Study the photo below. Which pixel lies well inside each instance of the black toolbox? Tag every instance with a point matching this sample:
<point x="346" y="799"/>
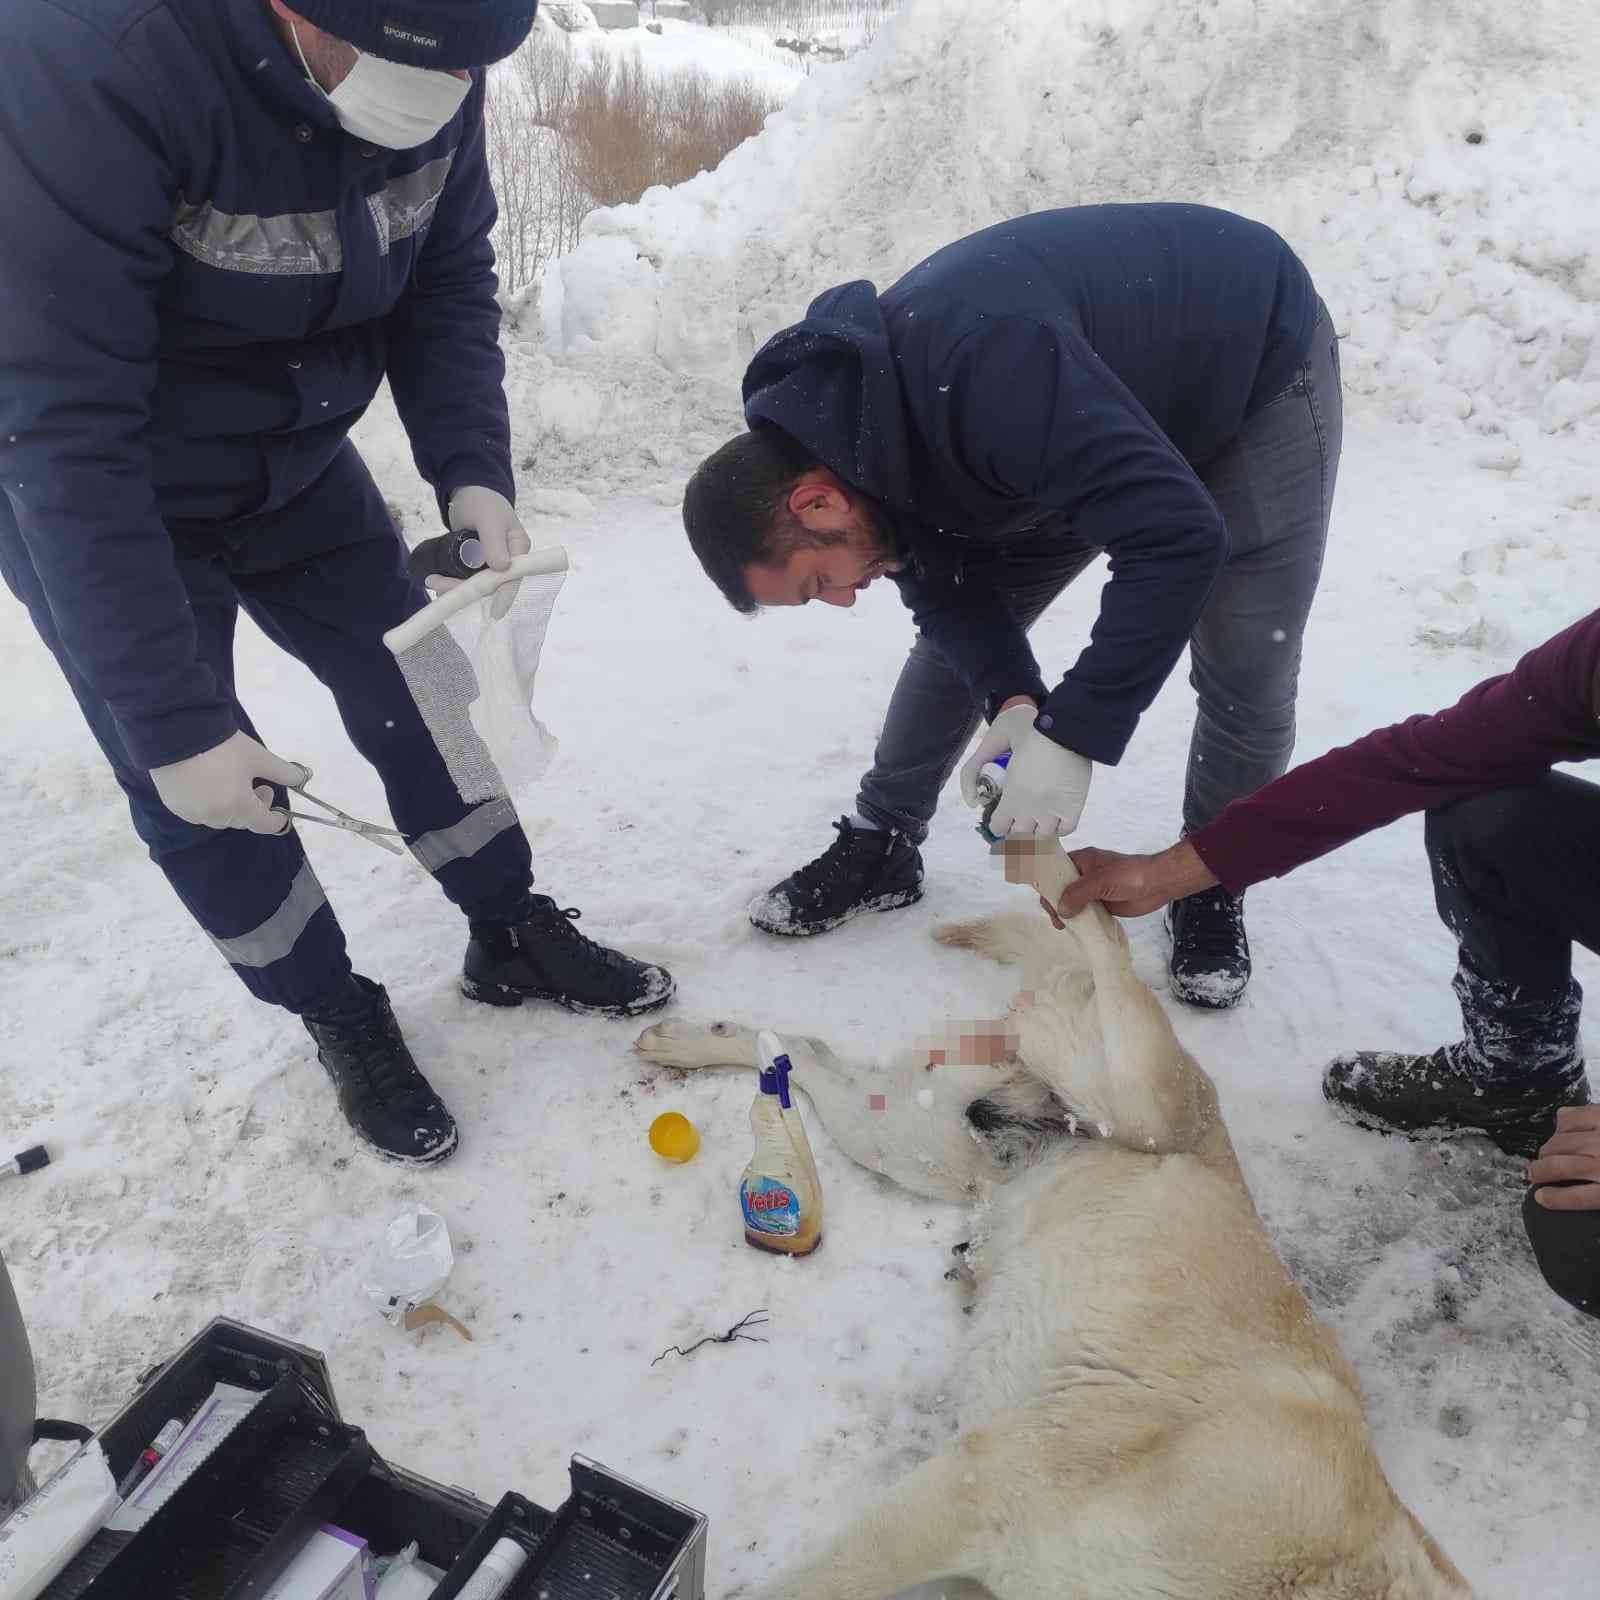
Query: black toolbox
<point x="293" y="1463"/>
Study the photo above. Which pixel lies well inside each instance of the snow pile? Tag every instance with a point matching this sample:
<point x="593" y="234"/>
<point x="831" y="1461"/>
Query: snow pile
<point x="570" y="16"/>
<point x="1433" y="161"/>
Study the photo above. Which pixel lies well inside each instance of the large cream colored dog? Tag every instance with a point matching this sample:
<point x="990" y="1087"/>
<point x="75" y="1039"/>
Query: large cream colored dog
<point x="1151" y="1410"/>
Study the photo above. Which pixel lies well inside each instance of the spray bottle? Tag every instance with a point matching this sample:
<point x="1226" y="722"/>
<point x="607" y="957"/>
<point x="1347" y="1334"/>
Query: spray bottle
<point x="780" y="1193"/>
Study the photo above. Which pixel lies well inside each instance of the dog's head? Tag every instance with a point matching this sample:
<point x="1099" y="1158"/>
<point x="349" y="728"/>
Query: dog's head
<point x="1020" y="1119"/>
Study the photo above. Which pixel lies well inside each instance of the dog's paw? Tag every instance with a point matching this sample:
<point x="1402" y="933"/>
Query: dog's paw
<point x="679" y="1042"/>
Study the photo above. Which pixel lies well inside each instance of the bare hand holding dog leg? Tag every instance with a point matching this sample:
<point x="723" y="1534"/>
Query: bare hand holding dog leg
<point x="1130" y="885"/>
<point x="1569" y="1161"/>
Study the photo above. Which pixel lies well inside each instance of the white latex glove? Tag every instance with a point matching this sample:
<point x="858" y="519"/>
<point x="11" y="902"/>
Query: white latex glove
<point x="1004" y="734"/>
<point x="227" y="786"/>
<point x="1046" y="785"/>
<point x="499" y="530"/>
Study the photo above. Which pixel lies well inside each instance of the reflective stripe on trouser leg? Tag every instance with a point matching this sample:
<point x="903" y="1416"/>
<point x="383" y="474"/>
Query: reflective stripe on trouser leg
<point x="481" y="862"/>
<point x="465" y="838"/>
<point x="271" y="941"/>
<point x="262" y="906"/>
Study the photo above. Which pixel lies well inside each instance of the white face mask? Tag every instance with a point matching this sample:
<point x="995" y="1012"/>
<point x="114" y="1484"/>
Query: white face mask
<point x="388" y="104"/>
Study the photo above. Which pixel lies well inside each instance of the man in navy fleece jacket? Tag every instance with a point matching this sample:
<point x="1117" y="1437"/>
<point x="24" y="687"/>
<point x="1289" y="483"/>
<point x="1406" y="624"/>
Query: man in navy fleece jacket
<point x="1157" y="382"/>
<point x="1515" y="852"/>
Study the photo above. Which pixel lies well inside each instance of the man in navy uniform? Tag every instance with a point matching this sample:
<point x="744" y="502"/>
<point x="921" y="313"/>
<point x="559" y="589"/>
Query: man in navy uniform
<point x="223" y="223"/>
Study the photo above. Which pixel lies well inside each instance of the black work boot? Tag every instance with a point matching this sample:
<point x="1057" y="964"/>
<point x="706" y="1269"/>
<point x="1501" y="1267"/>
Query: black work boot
<point x="1210" y="962"/>
<point x="864" y="869"/>
<point x="1518" y="1063"/>
<point x="546" y="958"/>
<point x="382" y="1094"/>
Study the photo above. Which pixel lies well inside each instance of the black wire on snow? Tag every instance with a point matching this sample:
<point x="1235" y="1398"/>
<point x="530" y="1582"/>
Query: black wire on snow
<point x="735" y="1332"/>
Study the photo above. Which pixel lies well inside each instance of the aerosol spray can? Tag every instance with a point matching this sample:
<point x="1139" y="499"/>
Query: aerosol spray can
<point x="458" y="554"/>
<point x="991" y="781"/>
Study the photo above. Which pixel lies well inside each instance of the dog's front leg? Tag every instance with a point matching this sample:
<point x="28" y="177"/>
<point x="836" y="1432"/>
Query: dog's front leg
<point x="683" y="1042"/>
<point x="930" y="1525"/>
<point x="907" y="1122"/>
<point x="836" y="1088"/>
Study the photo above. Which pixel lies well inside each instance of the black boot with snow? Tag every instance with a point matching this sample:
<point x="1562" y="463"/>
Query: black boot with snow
<point x="384" y="1097"/>
<point x="864" y="869"/>
<point x="1518" y="1062"/>
<point x="546" y="958"/>
<point x="1210" y="963"/>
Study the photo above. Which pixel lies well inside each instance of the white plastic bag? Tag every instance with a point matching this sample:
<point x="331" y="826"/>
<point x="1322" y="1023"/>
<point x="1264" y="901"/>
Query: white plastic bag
<point x="411" y="1265"/>
<point x="406" y="1576"/>
<point x="472" y="675"/>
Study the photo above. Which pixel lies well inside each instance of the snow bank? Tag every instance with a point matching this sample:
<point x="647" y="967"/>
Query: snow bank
<point x="1432" y="160"/>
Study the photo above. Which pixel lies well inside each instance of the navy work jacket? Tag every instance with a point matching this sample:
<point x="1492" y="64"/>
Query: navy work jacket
<point x="203" y="280"/>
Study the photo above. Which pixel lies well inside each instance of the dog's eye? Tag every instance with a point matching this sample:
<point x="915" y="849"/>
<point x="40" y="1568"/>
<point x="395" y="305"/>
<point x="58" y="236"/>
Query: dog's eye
<point x="719" y="1028"/>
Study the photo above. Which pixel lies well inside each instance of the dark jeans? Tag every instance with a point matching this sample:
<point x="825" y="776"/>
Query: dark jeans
<point x="1516" y="875"/>
<point x="1274" y="487"/>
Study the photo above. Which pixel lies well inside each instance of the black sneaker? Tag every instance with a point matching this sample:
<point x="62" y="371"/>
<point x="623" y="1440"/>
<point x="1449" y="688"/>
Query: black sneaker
<point x="1452" y="1092"/>
<point x="1210" y="963"/>
<point x="546" y="958"/>
<point x="384" y="1098"/>
<point x="864" y="869"/>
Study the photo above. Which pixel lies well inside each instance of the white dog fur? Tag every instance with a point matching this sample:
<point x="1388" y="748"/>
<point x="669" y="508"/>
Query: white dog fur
<point x="1151" y="1410"/>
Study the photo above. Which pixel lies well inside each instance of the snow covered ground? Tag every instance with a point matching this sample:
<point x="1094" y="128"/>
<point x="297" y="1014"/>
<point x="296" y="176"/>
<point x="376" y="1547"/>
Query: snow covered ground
<point x="1435" y="165"/>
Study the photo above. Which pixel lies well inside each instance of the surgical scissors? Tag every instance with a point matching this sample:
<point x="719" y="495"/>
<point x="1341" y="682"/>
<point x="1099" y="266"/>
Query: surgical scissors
<point x="384" y="838"/>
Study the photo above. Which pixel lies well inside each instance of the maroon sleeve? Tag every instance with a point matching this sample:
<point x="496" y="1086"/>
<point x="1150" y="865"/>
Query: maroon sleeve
<point x="1506" y="731"/>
